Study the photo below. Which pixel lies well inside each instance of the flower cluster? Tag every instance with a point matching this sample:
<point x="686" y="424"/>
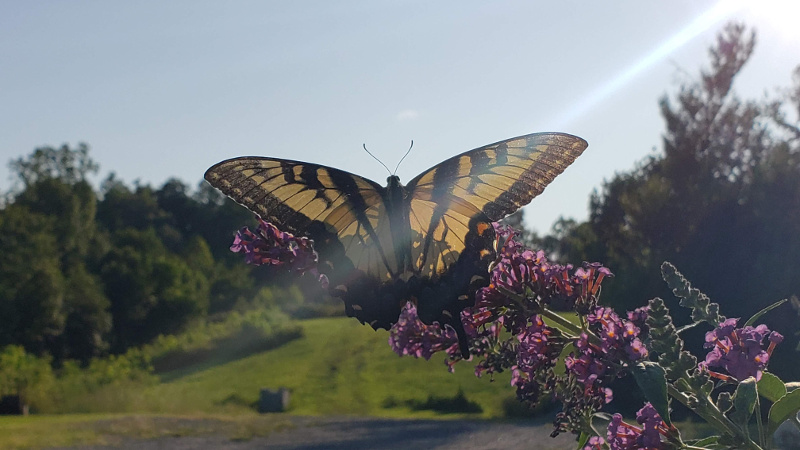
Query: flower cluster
<point x="537" y="347"/>
<point x="740" y="351"/>
<point x="622" y="436"/>
<point x="411" y="336"/>
<point x="526" y="281"/>
<point x="614" y="343"/>
<point x="603" y="352"/>
<point x="269" y="245"/>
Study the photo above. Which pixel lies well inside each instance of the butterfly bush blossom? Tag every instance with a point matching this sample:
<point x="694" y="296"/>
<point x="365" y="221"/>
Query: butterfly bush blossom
<point x="740" y="351"/>
<point x="269" y="245"/>
<point x="523" y="284"/>
<point x="622" y="436"/>
<point x="410" y="336"/>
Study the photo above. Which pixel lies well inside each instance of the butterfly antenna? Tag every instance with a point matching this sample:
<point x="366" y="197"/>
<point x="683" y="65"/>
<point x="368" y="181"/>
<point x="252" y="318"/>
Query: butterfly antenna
<point x="404" y="157"/>
<point x="376" y="159"/>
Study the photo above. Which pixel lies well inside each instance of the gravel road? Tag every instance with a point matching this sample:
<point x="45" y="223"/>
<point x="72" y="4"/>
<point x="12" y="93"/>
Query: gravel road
<point x="370" y="433"/>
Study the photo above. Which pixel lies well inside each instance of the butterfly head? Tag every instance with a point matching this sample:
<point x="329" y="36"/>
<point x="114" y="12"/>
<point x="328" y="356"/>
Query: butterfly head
<point x="393" y="182"/>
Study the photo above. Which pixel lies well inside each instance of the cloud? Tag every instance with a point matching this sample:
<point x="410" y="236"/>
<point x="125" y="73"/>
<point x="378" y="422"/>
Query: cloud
<point x="407" y="114"/>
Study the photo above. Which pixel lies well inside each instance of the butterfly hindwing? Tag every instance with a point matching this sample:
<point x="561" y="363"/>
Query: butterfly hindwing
<point x="487" y="184"/>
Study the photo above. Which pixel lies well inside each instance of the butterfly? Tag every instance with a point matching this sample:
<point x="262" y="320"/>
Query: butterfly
<point x="429" y="242"/>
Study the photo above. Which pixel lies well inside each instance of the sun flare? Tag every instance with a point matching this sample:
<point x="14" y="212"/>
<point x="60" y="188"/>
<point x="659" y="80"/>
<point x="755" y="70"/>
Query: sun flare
<point x="782" y="17"/>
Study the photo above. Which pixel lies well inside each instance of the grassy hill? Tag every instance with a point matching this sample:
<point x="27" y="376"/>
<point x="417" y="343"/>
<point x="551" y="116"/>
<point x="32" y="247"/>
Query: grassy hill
<point x="338" y="367"/>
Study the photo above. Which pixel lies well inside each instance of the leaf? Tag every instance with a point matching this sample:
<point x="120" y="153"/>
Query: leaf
<point x="705" y="442"/>
<point x="582" y="440"/>
<point x="786" y="407"/>
<point x="771" y="387"/>
<point x="744" y="400"/>
<point x="652" y="380"/>
<point x="767" y="309"/>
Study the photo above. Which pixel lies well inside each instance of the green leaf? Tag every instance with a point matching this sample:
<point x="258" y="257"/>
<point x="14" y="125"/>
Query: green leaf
<point x="786" y="407"/>
<point x="771" y="387"/>
<point x="652" y="380"/>
<point x="724" y="401"/>
<point x="582" y="440"/>
<point x="705" y="442"/>
<point x="767" y="309"/>
<point x="744" y="400"/>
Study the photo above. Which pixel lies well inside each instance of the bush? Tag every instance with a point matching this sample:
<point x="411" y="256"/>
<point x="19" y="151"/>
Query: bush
<point x="26" y="376"/>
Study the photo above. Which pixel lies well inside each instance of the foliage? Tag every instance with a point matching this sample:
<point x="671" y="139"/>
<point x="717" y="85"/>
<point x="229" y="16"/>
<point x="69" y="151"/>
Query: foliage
<point x="25" y="375"/>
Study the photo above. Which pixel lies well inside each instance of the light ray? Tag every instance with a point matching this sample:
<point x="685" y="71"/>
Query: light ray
<point x="720" y="11"/>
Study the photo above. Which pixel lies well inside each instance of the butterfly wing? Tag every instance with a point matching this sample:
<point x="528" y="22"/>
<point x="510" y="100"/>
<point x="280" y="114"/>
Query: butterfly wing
<point x="341" y="211"/>
<point x="464" y="193"/>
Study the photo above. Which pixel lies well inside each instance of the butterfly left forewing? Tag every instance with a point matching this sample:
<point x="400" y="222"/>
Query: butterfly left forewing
<point x="315" y="200"/>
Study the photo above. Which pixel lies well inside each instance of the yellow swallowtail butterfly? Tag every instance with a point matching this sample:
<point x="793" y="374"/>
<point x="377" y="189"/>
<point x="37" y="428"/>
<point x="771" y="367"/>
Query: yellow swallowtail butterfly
<point x="429" y="241"/>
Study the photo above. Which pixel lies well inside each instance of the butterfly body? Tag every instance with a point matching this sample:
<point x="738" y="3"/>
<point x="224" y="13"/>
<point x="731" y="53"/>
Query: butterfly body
<point x="397" y="210"/>
<point x="429" y="242"/>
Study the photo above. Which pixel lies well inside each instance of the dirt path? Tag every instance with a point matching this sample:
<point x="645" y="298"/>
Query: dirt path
<point x="366" y="433"/>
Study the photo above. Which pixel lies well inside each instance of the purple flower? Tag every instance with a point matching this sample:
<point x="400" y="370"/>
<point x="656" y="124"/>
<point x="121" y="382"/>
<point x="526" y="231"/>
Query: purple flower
<point x="652" y="427"/>
<point x="522" y="281"/>
<point x="639" y="317"/>
<point x="622" y="436"/>
<point x="587" y="370"/>
<point x="740" y="351"/>
<point x="537" y="351"/>
<point x="410" y="336"/>
<point x="269" y="245"/>
<point x="594" y="443"/>
<point x="619" y="338"/>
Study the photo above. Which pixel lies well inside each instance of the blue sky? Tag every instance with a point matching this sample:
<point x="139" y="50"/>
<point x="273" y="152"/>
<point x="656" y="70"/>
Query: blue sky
<point x="166" y="89"/>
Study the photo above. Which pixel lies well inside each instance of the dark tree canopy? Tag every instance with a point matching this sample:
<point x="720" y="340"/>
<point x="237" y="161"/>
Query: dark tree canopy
<point x="721" y="202"/>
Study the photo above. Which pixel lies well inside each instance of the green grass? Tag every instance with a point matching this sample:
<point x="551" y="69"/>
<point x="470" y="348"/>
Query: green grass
<point x="338" y="367"/>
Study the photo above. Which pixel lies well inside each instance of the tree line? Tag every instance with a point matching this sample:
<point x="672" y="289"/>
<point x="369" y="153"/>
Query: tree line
<point x="86" y="272"/>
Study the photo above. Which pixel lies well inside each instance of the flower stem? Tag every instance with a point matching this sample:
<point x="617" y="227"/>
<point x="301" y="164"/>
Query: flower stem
<point x="563" y="323"/>
<point x="762" y="436"/>
<point x="712" y="415"/>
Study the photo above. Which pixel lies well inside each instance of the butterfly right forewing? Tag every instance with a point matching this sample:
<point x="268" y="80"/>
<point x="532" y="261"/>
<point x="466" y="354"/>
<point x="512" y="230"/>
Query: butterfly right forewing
<point x="482" y="186"/>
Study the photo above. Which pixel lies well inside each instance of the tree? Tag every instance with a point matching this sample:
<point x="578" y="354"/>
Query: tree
<point x="51" y="236"/>
<point x="151" y="291"/>
<point x="65" y="164"/>
<point x="31" y="283"/>
<point x="721" y="202"/>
